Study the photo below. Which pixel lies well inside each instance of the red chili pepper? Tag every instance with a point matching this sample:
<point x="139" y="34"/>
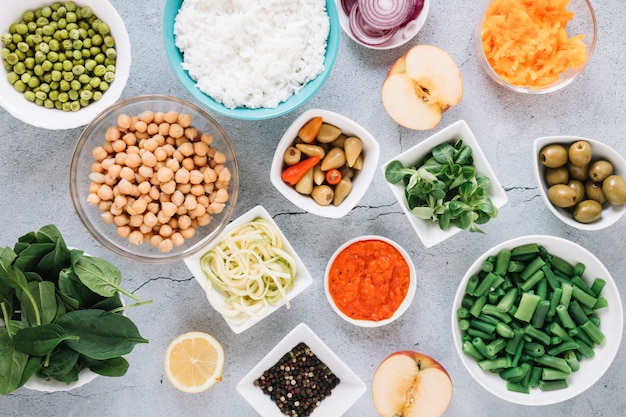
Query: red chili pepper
<point x="333" y="176"/>
<point x="294" y="173"/>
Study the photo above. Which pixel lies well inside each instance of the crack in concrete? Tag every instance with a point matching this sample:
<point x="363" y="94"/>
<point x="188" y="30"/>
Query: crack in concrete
<point x="162" y="278"/>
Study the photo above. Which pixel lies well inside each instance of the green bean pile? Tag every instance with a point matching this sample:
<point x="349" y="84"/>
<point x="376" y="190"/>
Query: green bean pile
<point x="529" y="316"/>
<point x="60" y="56"/>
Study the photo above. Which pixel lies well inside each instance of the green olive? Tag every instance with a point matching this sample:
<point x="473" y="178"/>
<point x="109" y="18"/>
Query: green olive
<point x="578" y="172"/>
<point x="580" y="153"/>
<point x="593" y="190"/>
<point x="553" y="156"/>
<point x="558" y="175"/>
<point x="599" y="170"/>
<point x="561" y="195"/>
<point x="587" y="211"/>
<point x="614" y="188"/>
<point x="579" y="187"/>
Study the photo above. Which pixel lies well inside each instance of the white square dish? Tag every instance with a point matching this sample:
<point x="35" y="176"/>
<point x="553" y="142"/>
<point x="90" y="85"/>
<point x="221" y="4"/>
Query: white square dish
<point x="343" y="396"/>
<point x="429" y="232"/>
<point x="302" y="281"/>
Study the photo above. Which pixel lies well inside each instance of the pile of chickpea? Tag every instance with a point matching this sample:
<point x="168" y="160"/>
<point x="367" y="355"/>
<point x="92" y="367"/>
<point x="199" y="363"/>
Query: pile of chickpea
<point x="157" y="178"/>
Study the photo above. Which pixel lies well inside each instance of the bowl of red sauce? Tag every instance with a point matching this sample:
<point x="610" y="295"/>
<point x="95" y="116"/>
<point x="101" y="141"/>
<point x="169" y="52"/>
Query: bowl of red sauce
<point x="370" y="281"/>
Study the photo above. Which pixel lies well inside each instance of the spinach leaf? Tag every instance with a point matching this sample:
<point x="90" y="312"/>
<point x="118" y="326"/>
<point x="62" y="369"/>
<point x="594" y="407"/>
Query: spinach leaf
<point x="61" y="362"/>
<point x="15" y="278"/>
<point x="100" y="276"/>
<point x="53" y="262"/>
<point x="108" y="367"/>
<point x="41" y="340"/>
<point x="74" y="293"/>
<point x="108" y="304"/>
<point x="29" y="258"/>
<point x="32" y="366"/>
<point x="12" y="363"/>
<point x="101" y="335"/>
<point x="44" y="294"/>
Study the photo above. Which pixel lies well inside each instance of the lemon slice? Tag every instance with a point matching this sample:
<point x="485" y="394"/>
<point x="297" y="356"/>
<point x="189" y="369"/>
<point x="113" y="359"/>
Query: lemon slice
<point x="194" y="362"/>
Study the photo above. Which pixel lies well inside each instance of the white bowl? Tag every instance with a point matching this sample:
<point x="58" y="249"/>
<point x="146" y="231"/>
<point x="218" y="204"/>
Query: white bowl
<point x="591" y="370"/>
<point x="302" y="281"/>
<point x="430" y="233"/>
<point x="401" y="37"/>
<point x="344" y="395"/>
<point x="610" y="213"/>
<point x="361" y="181"/>
<point x="53" y="119"/>
<point x="407" y="299"/>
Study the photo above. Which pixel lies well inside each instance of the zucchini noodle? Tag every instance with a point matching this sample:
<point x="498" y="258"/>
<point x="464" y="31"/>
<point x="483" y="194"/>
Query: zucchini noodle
<point x="251" y="269"/>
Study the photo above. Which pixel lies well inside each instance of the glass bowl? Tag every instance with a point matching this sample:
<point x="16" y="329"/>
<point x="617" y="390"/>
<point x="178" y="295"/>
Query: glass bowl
<point x="53" y="119"/>
<point x="175" y="58"/>
<point x="107" y="234"/>
<point x="583" y="23"/>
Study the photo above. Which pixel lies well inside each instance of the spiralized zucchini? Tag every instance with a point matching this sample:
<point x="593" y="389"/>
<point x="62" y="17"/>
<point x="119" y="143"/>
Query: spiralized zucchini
<point x="251" y="268"/>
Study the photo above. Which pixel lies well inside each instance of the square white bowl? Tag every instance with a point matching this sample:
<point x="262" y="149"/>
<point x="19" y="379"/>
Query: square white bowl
<point x="343" y="396"/>
<point x="610" y="213"/>
<point x="54" y="119"/>
<point x="429" y="232"/>
<point x="302" y="281"/>
<point x="361" y="181"/>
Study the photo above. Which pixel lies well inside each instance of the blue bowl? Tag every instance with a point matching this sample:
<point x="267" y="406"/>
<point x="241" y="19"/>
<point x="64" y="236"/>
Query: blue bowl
<point x="175" y="58"/>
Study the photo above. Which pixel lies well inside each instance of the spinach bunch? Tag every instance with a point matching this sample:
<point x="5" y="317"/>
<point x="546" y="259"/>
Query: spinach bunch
<point x="446" y="188"/>
<point x="60" y="313"/>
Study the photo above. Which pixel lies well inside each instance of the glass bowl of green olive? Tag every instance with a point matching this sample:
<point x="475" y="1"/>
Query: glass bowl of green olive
<point x="582" y="181"/>
<point x="63" y="62"/>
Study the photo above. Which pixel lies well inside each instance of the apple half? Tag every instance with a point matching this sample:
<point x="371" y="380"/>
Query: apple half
<point x="411" y="384"/>
<point x="420" y="86"/>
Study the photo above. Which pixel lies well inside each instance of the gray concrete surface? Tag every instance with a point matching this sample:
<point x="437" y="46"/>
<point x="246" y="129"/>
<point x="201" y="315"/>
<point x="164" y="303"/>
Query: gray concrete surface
<point x="34" y="192"/>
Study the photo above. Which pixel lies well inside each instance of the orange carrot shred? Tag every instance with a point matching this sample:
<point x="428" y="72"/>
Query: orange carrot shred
<point x="526" y="41"/>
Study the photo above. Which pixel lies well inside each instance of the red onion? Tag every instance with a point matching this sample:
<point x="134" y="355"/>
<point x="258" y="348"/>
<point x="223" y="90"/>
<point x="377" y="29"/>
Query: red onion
<point x="374" y="22"/>
<point x="385" y="14"/>
<point x="347" y="5"/>
<point x="366" y="33"/>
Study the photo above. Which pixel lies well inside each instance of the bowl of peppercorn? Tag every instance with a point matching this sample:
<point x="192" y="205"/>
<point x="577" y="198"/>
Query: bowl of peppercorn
<point x="301" y="376"/>
<point x="63" y="62"/>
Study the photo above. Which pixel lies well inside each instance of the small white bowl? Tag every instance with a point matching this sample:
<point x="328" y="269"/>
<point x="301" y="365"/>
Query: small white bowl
<point x="610" y="213"/>
<point x="344" y="395"/>
<point x="407" y="299"/>
<point x="429" y="232"/>
<point x="401" y="37"/>
<point x="302" y="281"/>
<point x="54" y="119"/>
<point x="361" y="181"/>
<point x="591" y="370"/>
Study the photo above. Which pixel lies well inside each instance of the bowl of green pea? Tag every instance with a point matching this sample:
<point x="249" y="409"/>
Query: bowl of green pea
<point x="537" y="320"/>
<point x="62" y="62"/>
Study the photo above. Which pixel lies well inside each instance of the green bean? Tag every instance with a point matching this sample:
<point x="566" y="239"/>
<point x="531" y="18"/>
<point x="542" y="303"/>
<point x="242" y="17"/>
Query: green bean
<point x="583" y="298"/>
<point x="566" y="294"/>
<point x="572" y="360"/>
<point x="492" y="310"/>
<point x="512" y="373"/>
<point x="555" y="299"/>
<point x="514" y="342"/>
<point x="482" y="326"/>
<point x="553" y="362"/>
<point x="526" y="307"/>
<point x="507" y="300"/>
<point x="597" y="286"/>
<point x="464" y="324"/>
<point x="485" y="285"/>
<point x="515" y="387"/>
<point x="502" y="262"/>
<point x="462" y="313"/>
<point x="576" y="313"/>
<point x="504" y="330"/>
<point x="493" y="364"/>
<point x="562" y="266"/>
<point x="532" y="280"/>
<point x="532" y="267"/>
<point x="566" y="319"/>
<point x="479" y="302"/>
<point x="530" y="248"/>
<point x="480" y="345"/>
<point x="593" y="332"/>
<point x="535" y="375"/>
<point x="551" y="374"/>
<point x="541" y="313"/>
<point x="496" y="346"/>
<point x="471" y="350"/>
<point x="537" y="334"/>
<point x="563" y="347"/>
<point x="534" y="349"/>
<point x="516" y="266"/>
<point x="601" y="302"/>
<point x="553" y="385"/>
<point x="585" y="348"/>
<point x="480" y="334"/>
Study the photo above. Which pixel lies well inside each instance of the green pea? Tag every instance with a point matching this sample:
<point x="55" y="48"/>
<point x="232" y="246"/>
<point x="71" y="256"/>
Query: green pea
<point x="40" y="57"/>
<point x="48" y="104"/>
<point x="75" y="85"/>
<point x="29" y="95"/>
<point x="86" y="95"/>
<point x="33" y="82"/>
<point x="75" y="106"/>
<point x="74" y="34"/>
<point x="21" y="28"/>
<point x="67" y="65"/>
<point x="38" y="101"/>
<point x="38" y="70"/>
<point x="25" y="78"/>
<point x="68" y="76"/>
<point x="64" y="86"/>
<point x="95" y="82"/>
<point x="104" y="86"/>
<point x="23" y="46"/>
<point x="84" y="78"/>
<point x="29" y="62"/>
<point x="109" y="41"/>
<point x="48" y="30"/>
<point x="77" y="54"/>
<point x="111" y="53"/>
<point x="17" y="38"/>
<point x="45" y="87"/>
<point x="42" y="21"/>
<point x="19" y="68"/>
<point x="109" y="77"/>
<point x="61" y="11"/>
<point x="41" y="95"/>
<point x="44" y="48"/>
<point x="66" y="106"/>
<point x="97" y="40"/>
<point x="97" y="95"/>
<point x="46" y="78"/>
<point x="53" y="95"/>
<point x="63" y="97"/>
<point x="19" y="86"/>
<point x="28" y="16"/>
<point x="70" y="6"/>
<point x="83" y="102"/>
<point x="54" y="85"/>
<point x="12" y="77"/>
<point x="73" y="95"/>
<point x="12" y="58"/>
<point x="56" y="75"/>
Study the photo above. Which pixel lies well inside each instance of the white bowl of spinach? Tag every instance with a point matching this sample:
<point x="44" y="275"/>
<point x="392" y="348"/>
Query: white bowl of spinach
<point x="445" y="184"/>
<point x="61" y="315"/>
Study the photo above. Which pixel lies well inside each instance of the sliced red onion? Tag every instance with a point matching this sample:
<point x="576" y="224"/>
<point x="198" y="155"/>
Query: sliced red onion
<point x="365" y="32"/>
<point x="347" y="5"/>
<point x="417" y="5"/>
<point x="385" y="14"/>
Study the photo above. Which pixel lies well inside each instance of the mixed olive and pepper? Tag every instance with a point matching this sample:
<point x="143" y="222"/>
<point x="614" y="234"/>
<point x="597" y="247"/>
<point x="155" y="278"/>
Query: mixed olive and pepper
<point x="580" y="182"/>
<point x="322" y="162"/>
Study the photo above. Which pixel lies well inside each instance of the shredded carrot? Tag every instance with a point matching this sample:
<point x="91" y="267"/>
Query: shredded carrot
<point x="526" y="41"/>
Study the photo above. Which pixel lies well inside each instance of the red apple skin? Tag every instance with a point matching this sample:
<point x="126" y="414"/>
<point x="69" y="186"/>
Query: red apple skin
<point x="411" y="384"/>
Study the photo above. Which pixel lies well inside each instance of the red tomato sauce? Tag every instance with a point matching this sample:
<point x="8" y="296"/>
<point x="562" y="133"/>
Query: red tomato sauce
<point x="368" y="280"/>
